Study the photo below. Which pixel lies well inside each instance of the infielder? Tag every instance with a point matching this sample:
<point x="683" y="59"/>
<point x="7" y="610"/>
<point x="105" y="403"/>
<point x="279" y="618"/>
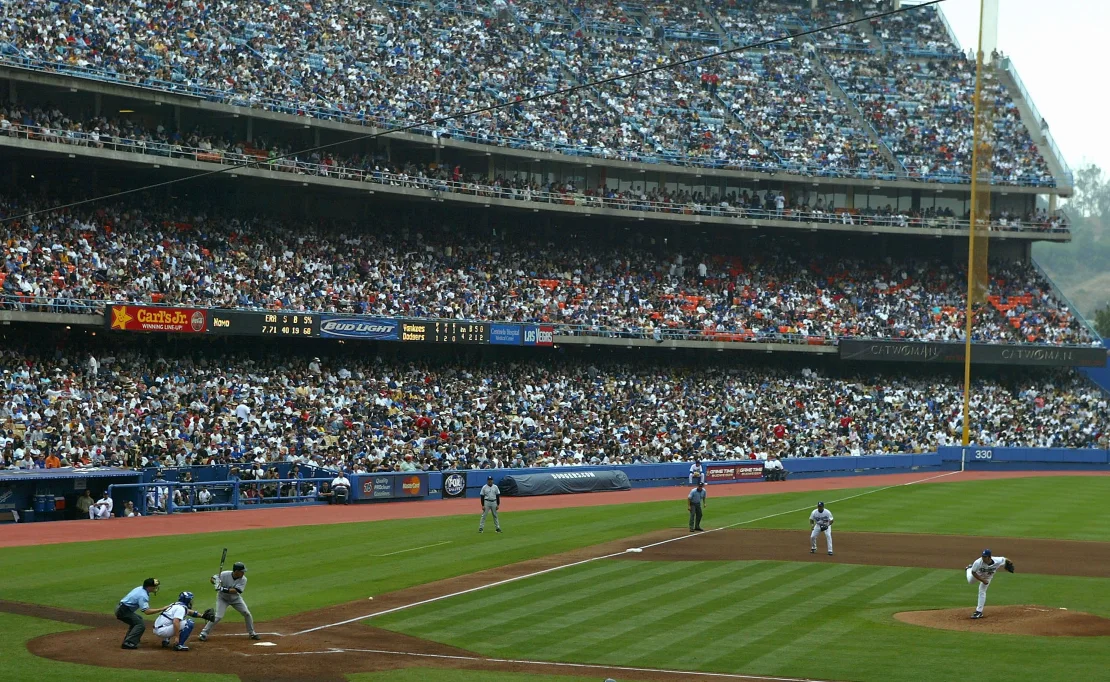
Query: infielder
<point x="133" y="607"/>
<point x="491" y="501"/>
<point x="820" y="521"/>
<point x="695" y="502"/>
<point x="983" y="570"/>
<point x="174" y="623"/>
<point x="229" y="592"/>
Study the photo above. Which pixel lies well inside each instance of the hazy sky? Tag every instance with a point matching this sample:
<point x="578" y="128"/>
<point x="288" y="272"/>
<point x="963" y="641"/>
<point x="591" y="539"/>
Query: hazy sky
<point x="1059" y="48"/>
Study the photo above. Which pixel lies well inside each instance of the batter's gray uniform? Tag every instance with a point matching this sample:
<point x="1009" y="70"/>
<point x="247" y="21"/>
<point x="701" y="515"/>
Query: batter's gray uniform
<point x="224" y="599"/>
<point x="491" y="499"/>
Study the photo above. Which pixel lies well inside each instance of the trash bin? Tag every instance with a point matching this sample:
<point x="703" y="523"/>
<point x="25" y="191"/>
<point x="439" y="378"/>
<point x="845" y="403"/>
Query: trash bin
<point x="59" y="503"/>
<point x="27" y="516"/>
<point x="39" y="503"/>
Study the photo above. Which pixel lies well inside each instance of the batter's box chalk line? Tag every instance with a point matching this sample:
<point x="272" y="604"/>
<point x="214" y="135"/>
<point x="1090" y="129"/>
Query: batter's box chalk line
<point x="605" y="556"/>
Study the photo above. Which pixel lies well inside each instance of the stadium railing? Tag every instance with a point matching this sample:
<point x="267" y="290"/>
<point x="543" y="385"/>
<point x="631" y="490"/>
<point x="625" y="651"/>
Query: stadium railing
<point x="11" y="56"/>
<point x="1008" y="65"/>
<point x="361" y="174"/>
<point x="658" y="334"/>
<point x="158" y="497"/>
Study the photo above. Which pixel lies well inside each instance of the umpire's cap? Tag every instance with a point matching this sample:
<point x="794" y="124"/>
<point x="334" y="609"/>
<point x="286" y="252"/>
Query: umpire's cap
<point x="239" y="566"/>
<point x="151" y="582"/>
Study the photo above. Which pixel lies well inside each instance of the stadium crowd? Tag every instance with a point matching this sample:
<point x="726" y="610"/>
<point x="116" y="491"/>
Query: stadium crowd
<point x="180" y="407"/>
<point x="174" y="255"/>
<point x="50" y="124"/>
<point x="402" y="63"/>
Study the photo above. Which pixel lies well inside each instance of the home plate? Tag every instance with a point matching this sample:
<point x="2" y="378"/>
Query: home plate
<point x="264" y="644"/>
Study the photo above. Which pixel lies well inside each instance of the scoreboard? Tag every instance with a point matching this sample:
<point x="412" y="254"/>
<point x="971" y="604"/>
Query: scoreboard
<point x="445" y="332"/>
<point x="263" y="323"/>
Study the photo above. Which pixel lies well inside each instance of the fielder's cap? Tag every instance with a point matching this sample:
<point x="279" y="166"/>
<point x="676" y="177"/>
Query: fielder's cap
<point x="986" y="552"/>
<point x="239" y="566"/>
<point x="820" y="504"/>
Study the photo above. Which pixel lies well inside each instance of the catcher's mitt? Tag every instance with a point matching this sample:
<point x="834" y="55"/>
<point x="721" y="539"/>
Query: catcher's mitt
<point x="209" y="614"/>
<point x="1009" y="566"/>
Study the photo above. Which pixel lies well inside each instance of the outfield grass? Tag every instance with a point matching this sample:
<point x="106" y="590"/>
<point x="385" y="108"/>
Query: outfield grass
<point x="830" y="621"/>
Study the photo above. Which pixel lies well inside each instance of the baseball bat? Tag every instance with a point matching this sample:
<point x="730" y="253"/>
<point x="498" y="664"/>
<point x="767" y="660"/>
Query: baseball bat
<point x="223" y="558"/>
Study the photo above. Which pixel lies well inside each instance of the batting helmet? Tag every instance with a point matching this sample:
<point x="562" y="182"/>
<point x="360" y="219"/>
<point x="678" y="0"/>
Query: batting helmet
<point x="239" y="566"/>
<point x="185" y="598"/>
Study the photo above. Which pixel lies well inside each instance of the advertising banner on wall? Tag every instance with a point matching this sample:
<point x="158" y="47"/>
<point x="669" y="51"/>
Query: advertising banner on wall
<point x="505" y="334"/>
<point x="454" y="484"/>
<point x="142" y="318"/>
<point x="715" y="473"/>
<point x="981" y="353"/>
<point x="525" y="485"/>
<point x="363" y="328"/>
<point x="539" y="335"/>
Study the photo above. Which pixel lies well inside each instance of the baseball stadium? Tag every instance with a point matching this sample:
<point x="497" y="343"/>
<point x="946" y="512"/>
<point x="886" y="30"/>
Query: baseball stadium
<point x="545" y="341"/>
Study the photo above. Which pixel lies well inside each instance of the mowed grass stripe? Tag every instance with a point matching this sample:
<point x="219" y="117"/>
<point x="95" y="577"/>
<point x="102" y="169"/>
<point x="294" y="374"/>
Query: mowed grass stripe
<point x="576" y="605"/>
<point x="770" y="626"/>
<point x="925" y="581"/>
<point x="582" y="627"/>
<point x="603" y="631"/>
<point x="722" y="616"/>
<point x="559" y="603"/>
<point x="496" y="599"/>
<point x="822" y="627"/>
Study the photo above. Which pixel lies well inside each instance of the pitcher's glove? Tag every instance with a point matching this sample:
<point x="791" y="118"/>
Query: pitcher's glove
<point x="1009" y="566"/>
<point x="209" y="615"/>
<point x="824" y="528"/>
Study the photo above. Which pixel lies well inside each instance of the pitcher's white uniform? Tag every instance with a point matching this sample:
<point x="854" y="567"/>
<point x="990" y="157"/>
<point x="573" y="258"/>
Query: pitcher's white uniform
<point x="986" y="572"/>
<point x="820" y="517"/>
<point x="102" y="508"/>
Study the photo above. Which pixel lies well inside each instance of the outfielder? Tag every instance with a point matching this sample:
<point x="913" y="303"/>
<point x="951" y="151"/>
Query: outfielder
<point x="983" y="570"/>
<point x="229" y="592"/>
<point x="820" y="521"/>
<point x="491" y="500"/>
<point x="174" y="623"/>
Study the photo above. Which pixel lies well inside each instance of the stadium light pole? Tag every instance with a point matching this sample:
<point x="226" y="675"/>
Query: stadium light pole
<point x="978" y="238"/>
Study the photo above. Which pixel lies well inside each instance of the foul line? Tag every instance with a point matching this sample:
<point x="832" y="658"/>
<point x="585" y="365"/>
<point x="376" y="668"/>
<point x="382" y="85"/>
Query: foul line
<point x="506" y="581"/>
<point x="413" y="549"/>
<point x="550" y="664"/>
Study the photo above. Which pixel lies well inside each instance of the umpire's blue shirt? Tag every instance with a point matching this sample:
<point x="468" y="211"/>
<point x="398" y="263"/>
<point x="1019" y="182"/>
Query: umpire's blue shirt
<point x="696" y="496"/>
<point x="137" y="599"/>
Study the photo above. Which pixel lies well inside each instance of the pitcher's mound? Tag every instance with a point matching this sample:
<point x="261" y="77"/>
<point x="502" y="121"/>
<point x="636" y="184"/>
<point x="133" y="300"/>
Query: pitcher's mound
<point x="1042" y="621"/>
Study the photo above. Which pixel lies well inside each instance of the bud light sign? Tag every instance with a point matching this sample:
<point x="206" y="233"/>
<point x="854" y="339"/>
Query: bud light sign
<point x="368" y="328"/>
<point x="539" y="335"/>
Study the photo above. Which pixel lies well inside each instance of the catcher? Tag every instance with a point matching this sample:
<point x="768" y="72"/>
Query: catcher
<point x="820" y="521"/>
<point x="174" y="622"/>
<point x="983" y="570"/>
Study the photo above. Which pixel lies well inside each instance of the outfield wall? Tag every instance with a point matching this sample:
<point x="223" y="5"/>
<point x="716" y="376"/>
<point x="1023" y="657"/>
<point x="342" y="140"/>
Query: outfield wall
<point x="19" y="489"/>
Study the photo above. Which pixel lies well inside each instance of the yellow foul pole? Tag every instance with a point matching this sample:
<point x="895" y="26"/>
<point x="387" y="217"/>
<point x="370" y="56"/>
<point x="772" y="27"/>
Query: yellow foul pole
<point x="981" y="171"/>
